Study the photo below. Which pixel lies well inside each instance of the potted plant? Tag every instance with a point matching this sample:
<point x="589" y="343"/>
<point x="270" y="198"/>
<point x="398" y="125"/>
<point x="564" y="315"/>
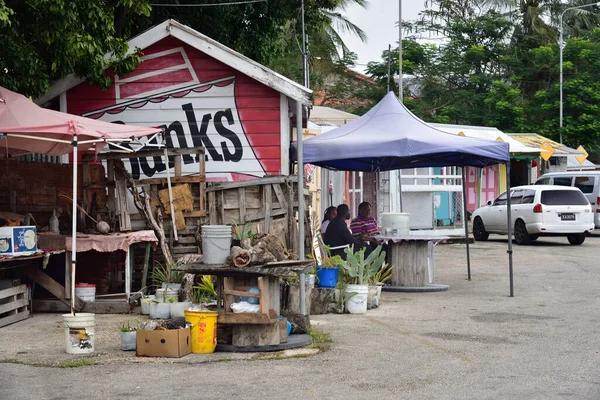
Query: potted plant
<point x="167" y="280"/>
<point x="239" y="233"/>
<point x="177" y="308"/>
<point x="328" y="270"/>
<point x="128" y="337"/>
<point x="376" y="282"/>
<point x="357" y="270"/>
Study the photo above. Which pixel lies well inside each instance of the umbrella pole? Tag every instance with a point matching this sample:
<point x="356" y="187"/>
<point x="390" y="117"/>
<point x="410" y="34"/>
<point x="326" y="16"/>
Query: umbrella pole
<point x="300" y="204"/>
<point x="509" y="230"/>
<point x="74" y="224"/>
<point x="466" y="222"/>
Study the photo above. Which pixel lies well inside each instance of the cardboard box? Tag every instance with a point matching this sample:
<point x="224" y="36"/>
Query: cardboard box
<point x="163" y="343"/>
<point x="18" y="240"/>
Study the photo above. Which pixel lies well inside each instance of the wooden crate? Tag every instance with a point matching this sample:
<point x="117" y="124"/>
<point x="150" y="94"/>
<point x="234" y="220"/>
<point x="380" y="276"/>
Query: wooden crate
<point x="13" y="305"/>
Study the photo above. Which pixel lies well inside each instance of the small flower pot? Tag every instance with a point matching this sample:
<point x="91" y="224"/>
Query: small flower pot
<point x="327" y="276"/>
<point x="128" y="341"/>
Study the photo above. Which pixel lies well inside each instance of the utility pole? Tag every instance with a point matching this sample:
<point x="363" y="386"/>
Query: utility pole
<point x="400" y="89"/>
<point x="300" y="162"/>
<point x="389" y="66"/>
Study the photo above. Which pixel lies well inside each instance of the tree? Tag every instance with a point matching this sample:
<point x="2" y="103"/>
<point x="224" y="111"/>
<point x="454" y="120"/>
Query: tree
<point x="44" y="40"/>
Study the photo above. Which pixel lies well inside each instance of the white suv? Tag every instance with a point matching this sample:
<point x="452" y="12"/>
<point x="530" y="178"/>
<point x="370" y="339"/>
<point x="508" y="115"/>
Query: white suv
<point x="537" y="210"/>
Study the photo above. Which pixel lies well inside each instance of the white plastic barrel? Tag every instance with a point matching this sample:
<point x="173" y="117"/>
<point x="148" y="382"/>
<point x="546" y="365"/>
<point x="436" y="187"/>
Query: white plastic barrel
<point x="85" y="291"/>
<point x="79" y="332"/>
<point x="395" y="224"/>
<point x="216" y="243"/>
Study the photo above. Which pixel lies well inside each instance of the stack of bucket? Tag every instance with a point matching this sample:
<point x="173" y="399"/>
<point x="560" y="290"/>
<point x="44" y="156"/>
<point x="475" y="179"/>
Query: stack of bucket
<point x="85" y="291"/>
<point x="216" y="243"/>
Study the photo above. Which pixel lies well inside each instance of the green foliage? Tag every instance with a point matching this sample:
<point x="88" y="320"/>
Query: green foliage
<point x="242" y="232"/>
<point x="166" y="274"/>
<point x="329" y="262"/>
<point x="127" y="328"/>
<point x="207" y="286"/>
<point x="360" y="270"/>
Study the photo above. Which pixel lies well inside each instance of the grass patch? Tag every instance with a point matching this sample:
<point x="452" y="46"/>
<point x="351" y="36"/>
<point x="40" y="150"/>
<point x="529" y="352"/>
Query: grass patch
<point x="76" y="364"/>
<point x="64" y="364"/>
<point x="321" y="340"/>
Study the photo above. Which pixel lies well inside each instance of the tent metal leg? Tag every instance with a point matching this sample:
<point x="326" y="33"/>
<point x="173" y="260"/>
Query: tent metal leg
<point x="466" y="222"/>
<point x="509" y="230"/>
<point x="300" y="204"/>
<point x="74" y="223"/>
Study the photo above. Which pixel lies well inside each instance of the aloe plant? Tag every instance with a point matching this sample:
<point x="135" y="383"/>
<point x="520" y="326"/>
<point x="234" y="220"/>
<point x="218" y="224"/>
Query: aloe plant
<point x="358" y="269"/>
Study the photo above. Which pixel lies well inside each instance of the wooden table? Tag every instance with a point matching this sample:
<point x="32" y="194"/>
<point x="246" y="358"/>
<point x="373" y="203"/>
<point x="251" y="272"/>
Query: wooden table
<point x="251" y="329"/>
<point x="412" y="258"/>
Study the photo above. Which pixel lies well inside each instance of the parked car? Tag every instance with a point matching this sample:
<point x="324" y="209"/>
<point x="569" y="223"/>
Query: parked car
<point x="537" y="210"/>
<point x="586" y="181"/>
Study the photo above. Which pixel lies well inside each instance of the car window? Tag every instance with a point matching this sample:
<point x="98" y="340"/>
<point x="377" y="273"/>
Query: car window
<point x="543" y="181"/>
<point x="517" y="196"/>
<point x="528" y="196"/>
<point x="585" y="183"/>
<point x="563" y="198"/>
<point x="562" y="180"/>
<point x="500" y="200"/>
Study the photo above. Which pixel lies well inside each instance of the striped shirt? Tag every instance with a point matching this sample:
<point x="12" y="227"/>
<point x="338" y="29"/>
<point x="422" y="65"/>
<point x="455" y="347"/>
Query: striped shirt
<point x="366" y="226"/>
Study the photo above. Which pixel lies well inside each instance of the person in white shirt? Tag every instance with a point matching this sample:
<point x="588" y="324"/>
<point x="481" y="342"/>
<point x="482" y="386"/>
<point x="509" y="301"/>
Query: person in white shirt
<point x="330" y="214"/>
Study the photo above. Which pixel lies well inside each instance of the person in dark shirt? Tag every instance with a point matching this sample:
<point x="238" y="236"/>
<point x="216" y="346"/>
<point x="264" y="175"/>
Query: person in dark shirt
<point x="338" y="234"/>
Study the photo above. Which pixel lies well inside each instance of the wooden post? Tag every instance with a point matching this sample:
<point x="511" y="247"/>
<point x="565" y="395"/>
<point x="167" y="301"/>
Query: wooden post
<point x="268" y="200"/>
<point x="212" y="208"/>
<point x="110" y="174"/>
<point x="177" y="163"/>
<point x="146" y="262"/>
<point x="128" y="273"/>
<point x="67" y="274"/>
<point x="242" y="200"/>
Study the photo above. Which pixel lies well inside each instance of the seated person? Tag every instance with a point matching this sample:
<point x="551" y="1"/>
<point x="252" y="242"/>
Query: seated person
<point x="330" y="214"/>
<point x="364" y="226"/>
<point x="337" y="234"/>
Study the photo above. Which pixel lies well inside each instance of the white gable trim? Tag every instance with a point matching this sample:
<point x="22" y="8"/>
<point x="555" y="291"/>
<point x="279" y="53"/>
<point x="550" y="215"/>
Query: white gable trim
<point x="208" y="46"/>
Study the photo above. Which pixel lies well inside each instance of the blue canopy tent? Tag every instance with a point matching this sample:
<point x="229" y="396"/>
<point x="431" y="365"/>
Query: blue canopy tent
<point x="390" y="137"/>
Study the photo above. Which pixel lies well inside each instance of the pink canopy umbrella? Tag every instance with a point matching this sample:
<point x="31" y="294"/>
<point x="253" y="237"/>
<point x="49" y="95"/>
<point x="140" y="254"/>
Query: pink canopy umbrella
<point x="27" y="128"/>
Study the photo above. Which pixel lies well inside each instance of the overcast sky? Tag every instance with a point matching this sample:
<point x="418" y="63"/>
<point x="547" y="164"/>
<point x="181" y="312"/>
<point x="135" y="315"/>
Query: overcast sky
<point x="379" y="23"/>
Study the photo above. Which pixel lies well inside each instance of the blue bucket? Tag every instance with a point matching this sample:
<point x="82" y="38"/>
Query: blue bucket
<point x="327" y="276"/>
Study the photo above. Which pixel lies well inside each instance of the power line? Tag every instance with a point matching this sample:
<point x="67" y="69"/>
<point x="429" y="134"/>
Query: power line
<point x="231" y="3"/>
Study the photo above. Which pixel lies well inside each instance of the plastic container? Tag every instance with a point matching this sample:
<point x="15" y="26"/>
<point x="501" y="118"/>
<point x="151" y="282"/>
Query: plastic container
<point x="128" y="341"/>
<point x="145" y="303"/>
<point x="373" y="298"/>
<point x="309" y="279"/>
<point x="85" y="291"/>
<point x="216" y="243"/>
<point x="79" y="333"/>
<point x="159" y="310"/>
<point x="357" y="303"/>
<point x="177" y="310"/>
<point x="204" y="330"/>
<point x="163" y="295"/>
<point x="327" y="277"/>
<point x="395" y="224"/>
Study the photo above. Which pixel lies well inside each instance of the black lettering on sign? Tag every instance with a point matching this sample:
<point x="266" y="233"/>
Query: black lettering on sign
<point x="200" y="138"/>
<point x="181" y="141"/>
<point x="228" y="134"/>
<point x="159" y="166"/>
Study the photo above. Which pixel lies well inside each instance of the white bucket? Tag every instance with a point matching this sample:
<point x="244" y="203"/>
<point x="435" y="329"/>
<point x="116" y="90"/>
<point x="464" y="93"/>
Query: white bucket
<point x="79" y="332"/>
<point x="357" y="304"/>
<point x="128" y="341"/>
<point x="216" y="243"/>
<point x="145" y="303"/>
<point x="159" y="310"/>
<point x="85" y="291"/>
<point x="395" y="224"/>
<point x="163" y="295"/>
<point x="374" y="294"/>
<point x="178" y="309"/>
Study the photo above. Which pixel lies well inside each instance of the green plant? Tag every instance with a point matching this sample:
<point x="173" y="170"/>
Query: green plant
<point x="384" y="274"/>
<point x="207" y="285"/>
<point x="171" y="300"/>
<point x="330" y="262"/>
<point x="127" y="328"/>
<point x="166" y="274"/>
<point x="242" y="232"/>
<point x="357" y="269"/>
<point x="200" y="296"/>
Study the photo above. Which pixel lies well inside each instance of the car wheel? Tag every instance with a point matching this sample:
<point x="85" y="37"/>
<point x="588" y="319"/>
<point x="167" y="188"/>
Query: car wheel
<point x="479" y="232"/>
<point x="576" y="239"/>
<point x="521" y="234"/>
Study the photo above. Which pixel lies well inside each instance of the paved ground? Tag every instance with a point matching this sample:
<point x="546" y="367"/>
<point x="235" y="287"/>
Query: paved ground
<point x="472" y="342"/>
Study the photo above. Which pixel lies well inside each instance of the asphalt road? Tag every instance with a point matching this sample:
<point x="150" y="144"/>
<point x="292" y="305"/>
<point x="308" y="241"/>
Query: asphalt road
<point x="471" y="342"/>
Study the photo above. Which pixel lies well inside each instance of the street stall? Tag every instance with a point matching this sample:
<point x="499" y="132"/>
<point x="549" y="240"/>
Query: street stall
<point x="28" y="128"/>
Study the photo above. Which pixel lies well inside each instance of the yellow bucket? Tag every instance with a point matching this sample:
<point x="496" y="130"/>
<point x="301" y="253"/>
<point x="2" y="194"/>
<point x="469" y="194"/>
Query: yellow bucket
<point x="204" y="330"/>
